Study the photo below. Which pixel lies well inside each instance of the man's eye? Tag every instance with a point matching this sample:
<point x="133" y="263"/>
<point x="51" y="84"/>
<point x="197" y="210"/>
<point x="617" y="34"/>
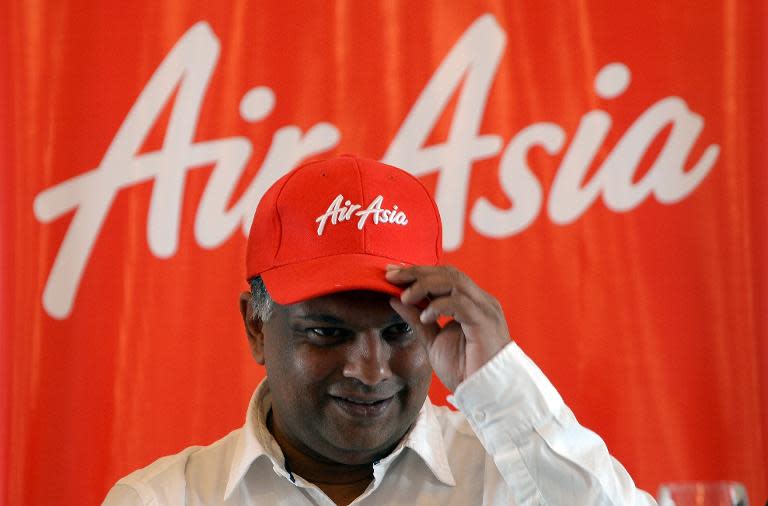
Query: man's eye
<point x="326" y="332"/>
<point x="398" y="331"/>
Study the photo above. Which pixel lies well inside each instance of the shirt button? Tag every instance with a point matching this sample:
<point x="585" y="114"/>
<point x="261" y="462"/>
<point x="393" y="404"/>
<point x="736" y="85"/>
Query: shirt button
<point x="480" y="416"/>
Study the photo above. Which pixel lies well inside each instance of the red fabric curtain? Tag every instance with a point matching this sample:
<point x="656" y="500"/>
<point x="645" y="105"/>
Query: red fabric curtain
<point x="600" y="168"/>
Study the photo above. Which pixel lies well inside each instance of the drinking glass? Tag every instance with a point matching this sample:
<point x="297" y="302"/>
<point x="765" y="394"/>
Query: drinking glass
<point x="703" y="493"/>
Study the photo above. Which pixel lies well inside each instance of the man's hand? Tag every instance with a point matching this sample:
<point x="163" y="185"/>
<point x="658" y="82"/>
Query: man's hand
<point x="476" y="332"/>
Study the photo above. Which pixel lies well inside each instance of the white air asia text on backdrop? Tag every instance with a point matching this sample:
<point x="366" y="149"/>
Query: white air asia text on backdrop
<point x="468" y="69"/>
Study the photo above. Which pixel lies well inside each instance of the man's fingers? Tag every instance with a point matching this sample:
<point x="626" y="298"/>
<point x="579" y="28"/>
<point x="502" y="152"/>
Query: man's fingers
<point x="441" y="291"/>
<point x="476" y="318"/>
<point x="399" y="274"/>
<point x="425" y="282"/>
<point x="407" y="312"/>
<point x="425" y="289"/>
<point x="402" y="274"/>
<point x="410" y="314"/>
<point x="456" y="307"/>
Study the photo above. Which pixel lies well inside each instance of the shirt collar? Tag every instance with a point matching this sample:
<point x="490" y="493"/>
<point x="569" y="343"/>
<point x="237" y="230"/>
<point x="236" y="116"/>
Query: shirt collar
<point x="426" y="440"/>
<point x="254" y="441"/>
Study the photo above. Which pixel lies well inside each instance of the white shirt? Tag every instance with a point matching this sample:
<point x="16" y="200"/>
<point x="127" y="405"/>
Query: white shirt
<point x="514" y="442"/>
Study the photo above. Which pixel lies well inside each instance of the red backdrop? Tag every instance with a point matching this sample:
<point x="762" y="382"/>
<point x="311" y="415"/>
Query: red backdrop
<point x="599" y="166"/>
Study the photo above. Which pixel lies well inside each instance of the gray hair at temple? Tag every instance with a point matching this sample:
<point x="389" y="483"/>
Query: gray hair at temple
<point x="261" y="302"/>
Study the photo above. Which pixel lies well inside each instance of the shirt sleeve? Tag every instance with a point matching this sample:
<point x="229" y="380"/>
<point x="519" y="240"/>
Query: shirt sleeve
<point x="540" y="450"/>
<point x="123" y="495"/>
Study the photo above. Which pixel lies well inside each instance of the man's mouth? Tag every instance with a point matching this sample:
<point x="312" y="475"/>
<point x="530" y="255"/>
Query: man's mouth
<point x="361" y="406"/>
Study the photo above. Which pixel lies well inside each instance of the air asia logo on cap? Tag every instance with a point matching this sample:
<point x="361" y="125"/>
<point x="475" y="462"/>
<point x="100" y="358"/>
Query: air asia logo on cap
<point x="338" y="213"/>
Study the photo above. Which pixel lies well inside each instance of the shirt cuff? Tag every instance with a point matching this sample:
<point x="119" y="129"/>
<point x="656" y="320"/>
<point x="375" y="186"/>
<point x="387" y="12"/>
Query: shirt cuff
<point x="507" y="398"/>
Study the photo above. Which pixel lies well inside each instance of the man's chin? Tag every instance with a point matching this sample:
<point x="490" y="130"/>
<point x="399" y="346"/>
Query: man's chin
<point x="360" y="440"/>
<point x="360" y="449"/>
<point x="362" y="455"/>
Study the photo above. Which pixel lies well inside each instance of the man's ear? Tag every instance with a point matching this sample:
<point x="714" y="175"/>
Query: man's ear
<point x="253" y="328"/>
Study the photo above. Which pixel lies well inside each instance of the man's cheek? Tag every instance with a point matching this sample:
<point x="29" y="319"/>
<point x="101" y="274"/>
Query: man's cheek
<point x="413" y="363"/>
<point x="313" y="366"/>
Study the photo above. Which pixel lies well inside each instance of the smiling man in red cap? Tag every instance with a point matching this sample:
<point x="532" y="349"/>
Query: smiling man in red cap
<point x="346" y="293"/>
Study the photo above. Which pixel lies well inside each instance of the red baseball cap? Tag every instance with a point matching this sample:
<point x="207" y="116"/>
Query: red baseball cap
<point x="333" y="225"/>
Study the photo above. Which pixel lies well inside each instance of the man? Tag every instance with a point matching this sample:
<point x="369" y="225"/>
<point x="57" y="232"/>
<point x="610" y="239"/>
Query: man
<point x="350" y="312"/>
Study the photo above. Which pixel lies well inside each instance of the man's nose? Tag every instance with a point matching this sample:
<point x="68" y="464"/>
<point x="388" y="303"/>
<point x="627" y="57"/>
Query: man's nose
<point x="368" y="359"/>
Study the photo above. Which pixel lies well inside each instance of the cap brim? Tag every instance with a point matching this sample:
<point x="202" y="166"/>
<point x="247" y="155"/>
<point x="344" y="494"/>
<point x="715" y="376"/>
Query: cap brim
<point x="289" y="284"/>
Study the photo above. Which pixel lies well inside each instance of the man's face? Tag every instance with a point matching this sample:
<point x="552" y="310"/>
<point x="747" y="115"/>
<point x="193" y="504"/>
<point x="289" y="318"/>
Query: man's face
<point x="347" y="375"/>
